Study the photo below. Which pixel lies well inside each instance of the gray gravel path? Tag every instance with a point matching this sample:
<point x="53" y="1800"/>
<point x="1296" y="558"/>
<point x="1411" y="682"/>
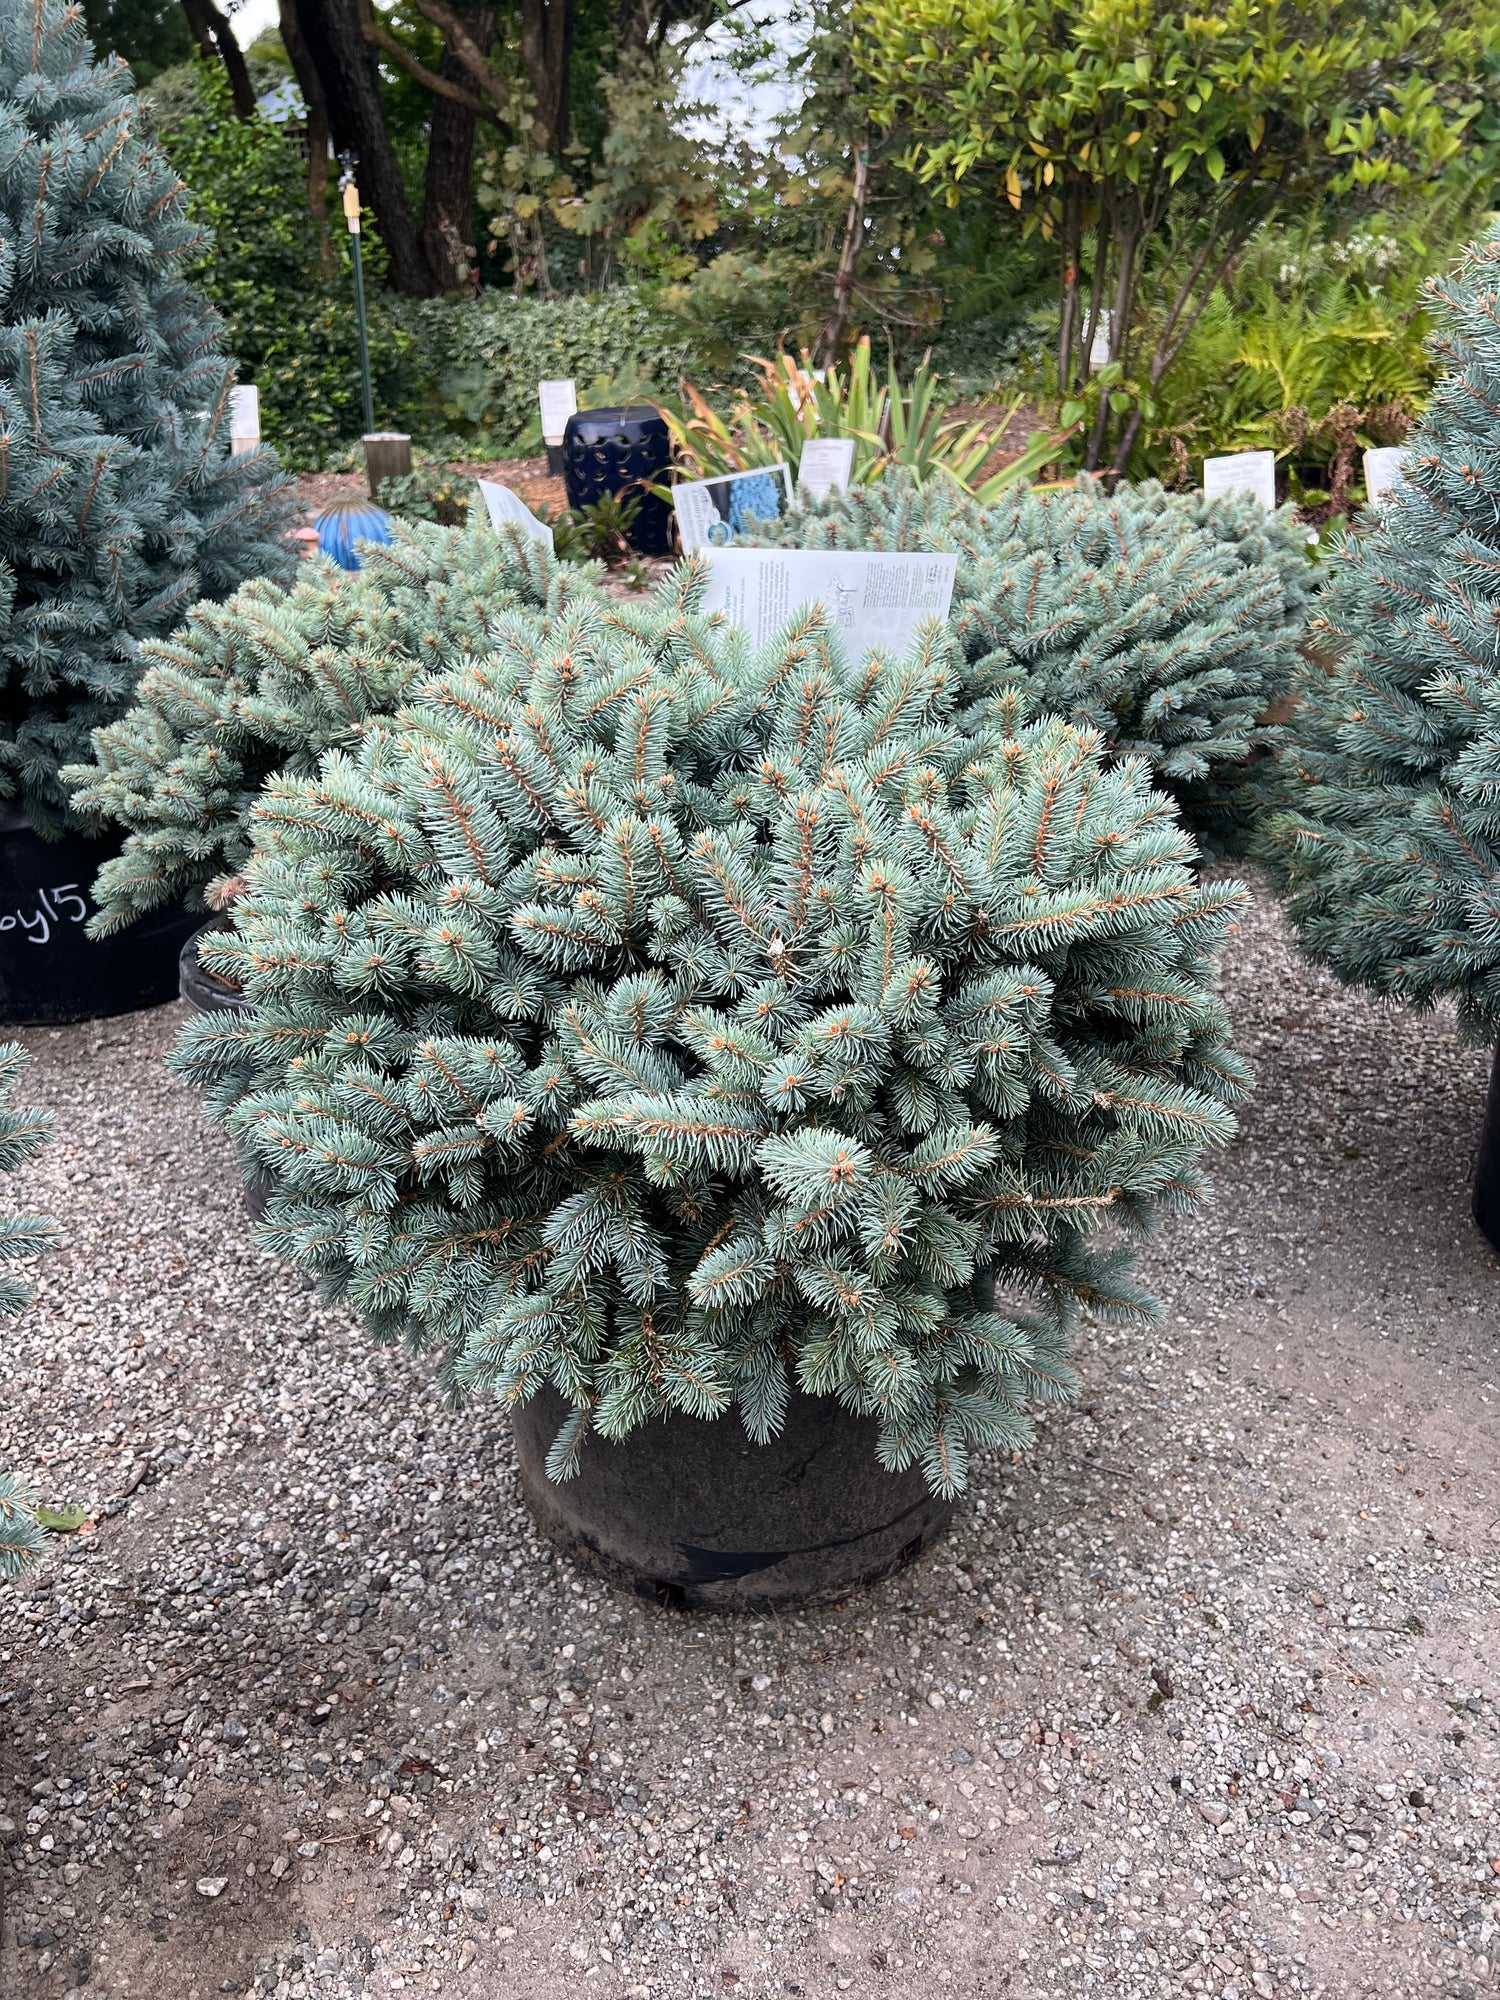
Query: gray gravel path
<point x="1197" y="1699"/>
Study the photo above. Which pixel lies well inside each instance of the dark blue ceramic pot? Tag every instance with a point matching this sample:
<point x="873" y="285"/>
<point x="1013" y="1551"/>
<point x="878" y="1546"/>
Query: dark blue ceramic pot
<point x="616" y="451"/>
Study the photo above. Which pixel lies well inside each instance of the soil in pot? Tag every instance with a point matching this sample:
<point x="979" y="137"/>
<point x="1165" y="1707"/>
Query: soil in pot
<point x="51" y="970"/>
<point x="693" y="1514"/>
<point x="205" y="993"/>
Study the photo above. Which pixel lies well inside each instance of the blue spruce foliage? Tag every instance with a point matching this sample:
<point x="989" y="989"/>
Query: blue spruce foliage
<point x="119" y="502"/>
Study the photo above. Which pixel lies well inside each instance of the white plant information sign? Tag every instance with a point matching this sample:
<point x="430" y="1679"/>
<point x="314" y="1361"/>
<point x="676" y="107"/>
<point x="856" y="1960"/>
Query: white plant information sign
<point x="244" y="417"/>
<point x="711" y="512"/>
<point x="503" y="505"/>
<point x="873" y="599"/>
<point x="1382" y="464"/>
<point x="558" y="402"/>
<point x="1244" y="472"/>
<point x="825" y="466"/>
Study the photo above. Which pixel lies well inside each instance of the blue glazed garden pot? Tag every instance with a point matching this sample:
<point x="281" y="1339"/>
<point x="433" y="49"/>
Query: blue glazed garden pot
<point x="615" y="451"/>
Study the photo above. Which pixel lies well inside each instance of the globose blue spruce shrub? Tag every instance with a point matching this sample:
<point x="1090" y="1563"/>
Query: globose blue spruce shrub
<point x="1168" y="622"/>
<point x="23" y="1132"/>
<point x="1388" y="847"/>
<point x="274" y="677"/>
<point x="675" y="1024"/>
<point x="120" y="504"/>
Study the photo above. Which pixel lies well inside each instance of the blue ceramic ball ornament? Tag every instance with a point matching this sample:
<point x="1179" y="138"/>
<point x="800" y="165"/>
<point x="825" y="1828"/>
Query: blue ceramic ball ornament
<point x="347" y="522"/>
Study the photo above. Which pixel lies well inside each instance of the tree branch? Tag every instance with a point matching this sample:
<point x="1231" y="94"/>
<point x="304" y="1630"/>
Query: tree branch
<point x="440" y="86"/>
<point x="468" y="52"/>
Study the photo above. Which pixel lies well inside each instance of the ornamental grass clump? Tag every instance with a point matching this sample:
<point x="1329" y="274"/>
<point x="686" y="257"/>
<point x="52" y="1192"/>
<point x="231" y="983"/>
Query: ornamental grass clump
<point x="1388" y="849"/>
<point x="270" y="680"/>
<point x="676" y="1025"/>
<point x="1167" y="622"/>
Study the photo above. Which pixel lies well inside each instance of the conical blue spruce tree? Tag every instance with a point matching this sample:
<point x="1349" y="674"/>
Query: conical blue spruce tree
<point x="1167" y="622"/>
<point x="1388" y="849"/>
<point x="674" y="1024"/>
<point x="120" y="504"/>
<point x="23" y="1132"/>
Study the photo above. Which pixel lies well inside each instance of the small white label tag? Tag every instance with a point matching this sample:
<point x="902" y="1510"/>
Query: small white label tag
<point x="244" y="417"/>
<point x="558" y="401"/>
<point x="713" y="513"/>
<point x="503" y="505"/>
<point x="873" y="599"/>
<point x="825" y="466"/>
<point x="1243" y="472"/>
<point x="1382" y="464"/>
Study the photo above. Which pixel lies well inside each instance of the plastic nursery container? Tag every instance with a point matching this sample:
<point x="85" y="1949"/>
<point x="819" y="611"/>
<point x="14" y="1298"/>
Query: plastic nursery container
<point x="51" y="970"/>
<point x="693" y="1514"/>
<point x="204" y="994"/>
<point x="610" y="451"/>
<point x="1487" y="1165"/>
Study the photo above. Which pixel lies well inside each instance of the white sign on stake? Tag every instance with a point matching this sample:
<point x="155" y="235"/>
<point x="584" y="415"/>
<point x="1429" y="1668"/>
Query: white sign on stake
<point x="504" y="505"/>
<point x="1382" y="464"/>
<point x="1099" y="350"/>
<point x="825" y="466"/>
<point x="244" y="417"/>
<point x="1243" y="472"/>
<point x="711" y="513"/>
<point x="558" y="401"/>
<point x="873" y="599"/>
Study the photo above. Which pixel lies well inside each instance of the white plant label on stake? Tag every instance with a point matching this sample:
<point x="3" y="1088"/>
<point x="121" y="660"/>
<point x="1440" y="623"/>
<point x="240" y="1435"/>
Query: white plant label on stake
<point x="558" y="402"/>
<point x="244" y="417"/>
<point x="1099" y="348"/>
<point x="1382" y="464"/>
<point x="504" y="505"/>
<point x="711" y="513"/>
<point x="1242" y="472"/>
<point x="873" y="599"/>
<point x="825" y="466"/>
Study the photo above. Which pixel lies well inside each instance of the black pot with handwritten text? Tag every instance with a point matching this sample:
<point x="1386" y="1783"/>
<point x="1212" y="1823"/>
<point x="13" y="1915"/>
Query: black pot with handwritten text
<point x="51" y="970"/>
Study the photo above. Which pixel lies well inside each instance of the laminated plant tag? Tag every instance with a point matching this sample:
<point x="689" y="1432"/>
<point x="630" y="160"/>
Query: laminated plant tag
<point x="503" y="505"/>
<point x="825" y="466"/>
<point x="558" y="401"/>
<point x="873" y="599"/>
<point x="1382" y="464"/>
<point x="1243" y="472"/>
<point x="711" y="513"/>
<point x="244" y="417"/>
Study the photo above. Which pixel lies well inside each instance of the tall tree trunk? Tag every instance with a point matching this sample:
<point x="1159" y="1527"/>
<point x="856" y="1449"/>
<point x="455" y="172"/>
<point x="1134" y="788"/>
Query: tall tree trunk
<point x="346" y="65"/>
<point x="316" y="107"/>
<point x="448" y="194"/>
<point x="843" y="284"/>
<point x="547" y="51"/>
<point x="214" y="36"/>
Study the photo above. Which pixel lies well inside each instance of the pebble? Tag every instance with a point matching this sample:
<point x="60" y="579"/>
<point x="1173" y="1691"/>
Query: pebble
<point x="1236" y="1606"/>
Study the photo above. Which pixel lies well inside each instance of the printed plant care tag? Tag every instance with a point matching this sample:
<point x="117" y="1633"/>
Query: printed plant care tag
<point x="1382" y="464"/>
<point x="713" y="513"/>
<point x="873" y="599"/>
<point x="1243" y="472"/>
<point x="825" y="466"/>
<point x="244" y="417"/>
<point x="558" y="401"/>
<point x="503" y="505"/>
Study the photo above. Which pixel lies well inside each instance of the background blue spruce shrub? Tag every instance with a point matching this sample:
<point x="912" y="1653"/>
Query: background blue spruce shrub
<point x="1388" y="849"/>
<point x="23" y="1132"/>
<point x="675" y="1024"/>
<point x="119" y="502"/>
<point x="274" y="677"/>
<point x="1165" y="621"/>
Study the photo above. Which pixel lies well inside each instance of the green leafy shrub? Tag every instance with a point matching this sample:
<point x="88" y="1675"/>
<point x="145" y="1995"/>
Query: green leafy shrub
<point x="668" y="1023"/>
<point x="431" y="491"/>
<point x="484" y="356"/>
<point x="23" y="1133"/>
<point x="285" y="288"/>
<point x="1389" y="845"/>
<point x="269" y="680"/>
<point x="1170" y="624"/>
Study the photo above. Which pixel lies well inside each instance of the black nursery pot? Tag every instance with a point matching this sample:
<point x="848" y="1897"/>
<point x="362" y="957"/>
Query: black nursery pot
<point x="51" y="970"/>
<point x="1487" y="1166"/>
<point x="206" y="995"/>
<point x="693" y="1514"/>
<point x="606" y="451"/>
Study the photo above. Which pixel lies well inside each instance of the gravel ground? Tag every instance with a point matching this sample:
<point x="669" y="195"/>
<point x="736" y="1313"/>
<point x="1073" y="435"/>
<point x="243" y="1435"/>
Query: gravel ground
<point x="1198" y="1698"/>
